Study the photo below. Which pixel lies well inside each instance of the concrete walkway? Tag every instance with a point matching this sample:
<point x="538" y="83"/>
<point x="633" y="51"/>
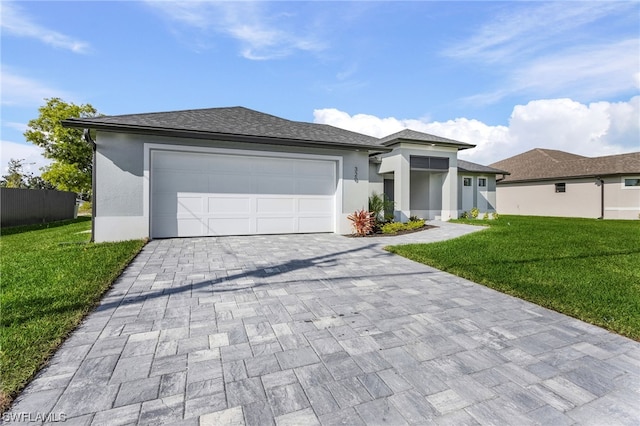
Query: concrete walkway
<point x="324" y="329"/>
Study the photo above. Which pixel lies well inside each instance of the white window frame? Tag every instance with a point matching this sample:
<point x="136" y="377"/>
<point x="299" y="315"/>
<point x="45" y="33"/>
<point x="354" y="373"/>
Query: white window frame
<point x="486" y="182"/>
<point x="629" y="187"/>
<point x="555" y="187"/>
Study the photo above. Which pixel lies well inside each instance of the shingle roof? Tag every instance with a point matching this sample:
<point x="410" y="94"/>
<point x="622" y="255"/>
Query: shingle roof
<point x="229" y="123"/>
<point x="420" y="137"/>
<point x="541" y="164"/>
<point x="468" y="166"/>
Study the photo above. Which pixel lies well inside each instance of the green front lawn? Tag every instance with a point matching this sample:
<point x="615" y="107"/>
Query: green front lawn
<point x="51" y="278"/>
<point x="586" y="268"/>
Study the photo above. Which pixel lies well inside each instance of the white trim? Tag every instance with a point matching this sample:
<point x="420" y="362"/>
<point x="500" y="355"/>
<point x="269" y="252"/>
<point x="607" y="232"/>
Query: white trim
<point x="629" y="187"/>
<point x="622" y="209"/>
<point x="149" y="147"/>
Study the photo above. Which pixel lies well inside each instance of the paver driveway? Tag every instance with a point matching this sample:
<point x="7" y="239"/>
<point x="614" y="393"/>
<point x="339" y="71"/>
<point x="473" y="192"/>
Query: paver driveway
<point x="323" y="329"/>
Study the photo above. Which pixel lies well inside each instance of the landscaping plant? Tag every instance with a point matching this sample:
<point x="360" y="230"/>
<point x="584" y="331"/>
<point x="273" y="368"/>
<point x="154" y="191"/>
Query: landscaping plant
<point x="395" y="227"/>
<point x="362" y="222"/>
<point x="379" y="206"/>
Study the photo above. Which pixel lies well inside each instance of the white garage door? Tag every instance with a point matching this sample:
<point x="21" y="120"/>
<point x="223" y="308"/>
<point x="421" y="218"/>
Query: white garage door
<point x="196" y="194"/>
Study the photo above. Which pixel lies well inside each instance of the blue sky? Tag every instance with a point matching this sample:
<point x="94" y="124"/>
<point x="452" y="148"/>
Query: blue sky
<point x="507" y="76"/>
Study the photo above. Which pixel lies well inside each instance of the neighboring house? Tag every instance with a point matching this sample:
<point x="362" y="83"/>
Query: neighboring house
<point x="235" y="171"/>
<point x="546" y="182"/>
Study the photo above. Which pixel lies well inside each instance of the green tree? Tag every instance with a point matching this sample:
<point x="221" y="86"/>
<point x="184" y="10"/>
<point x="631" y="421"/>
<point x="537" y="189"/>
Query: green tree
<point x="71" y="155"/>
<point x="15" y="177"/>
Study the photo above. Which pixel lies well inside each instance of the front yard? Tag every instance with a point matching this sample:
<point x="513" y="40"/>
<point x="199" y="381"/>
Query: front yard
<point x="585" y="268"/>
<point x="51" y="277"/>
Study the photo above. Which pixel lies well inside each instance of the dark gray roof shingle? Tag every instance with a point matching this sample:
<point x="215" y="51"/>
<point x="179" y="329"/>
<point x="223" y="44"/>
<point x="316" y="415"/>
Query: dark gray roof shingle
<point x="541" y="164"/>
<point x="231" y="121"/>
<point x="468" y="166"/>
<point x="415" y="136"/>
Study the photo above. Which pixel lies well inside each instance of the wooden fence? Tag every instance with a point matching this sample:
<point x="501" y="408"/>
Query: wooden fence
<point x="31" y="206"/>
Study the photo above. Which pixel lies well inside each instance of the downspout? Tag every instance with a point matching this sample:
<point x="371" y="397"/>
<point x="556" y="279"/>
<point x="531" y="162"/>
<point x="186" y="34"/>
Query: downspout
<point x="87" y="137"/>
<point x="599" y="179"/>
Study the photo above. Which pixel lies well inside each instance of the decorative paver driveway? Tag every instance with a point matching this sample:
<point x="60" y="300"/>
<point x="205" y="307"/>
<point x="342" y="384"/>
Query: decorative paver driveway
<point x="323" y="329"/>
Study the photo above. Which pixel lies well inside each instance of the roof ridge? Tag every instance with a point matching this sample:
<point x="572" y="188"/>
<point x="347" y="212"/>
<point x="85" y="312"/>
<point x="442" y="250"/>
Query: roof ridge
<point x="180" y="110"/>
<point x="544" y="152"/>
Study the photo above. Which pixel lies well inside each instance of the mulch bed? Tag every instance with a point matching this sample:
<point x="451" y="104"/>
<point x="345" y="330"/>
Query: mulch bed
<point x="380" y="234"/>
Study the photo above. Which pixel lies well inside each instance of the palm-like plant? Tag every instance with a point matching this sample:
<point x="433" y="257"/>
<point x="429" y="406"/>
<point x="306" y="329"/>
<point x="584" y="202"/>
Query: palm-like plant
<point x="379" y="204"/>
<point x="362" y="222"/>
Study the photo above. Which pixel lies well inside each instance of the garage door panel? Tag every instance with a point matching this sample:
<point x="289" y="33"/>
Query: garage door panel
<point x="277" y="166"/>
<point x="275" y="225"/>
<point x="180" y="181"/>
<point x="229" y="226"/>
<point x="315" y="205"/>
<point x="275" y="205"/>
<point x="314" y="224"/>
<point x="276" y="185"/>
<point x="192" y="205"/>
<point x="190" y="227"/>
<point x="231" y="184"/>
<point x="229" y="164"/>
<point x="314" y="186"/>
<point x="226" y="205"/>
<point x="315" y="168"/>
<point x="216" y="194"/>
<point x="165" y="226"/>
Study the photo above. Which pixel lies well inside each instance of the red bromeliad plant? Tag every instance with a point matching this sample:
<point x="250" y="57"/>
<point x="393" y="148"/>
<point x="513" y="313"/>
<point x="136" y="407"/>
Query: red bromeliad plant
<point x="362" y="222"/>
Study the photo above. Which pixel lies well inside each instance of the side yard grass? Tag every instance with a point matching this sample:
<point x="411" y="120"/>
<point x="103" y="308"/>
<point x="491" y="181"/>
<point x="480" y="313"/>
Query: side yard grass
<point x="586" y="268"/>
<point x="51" y="277"/>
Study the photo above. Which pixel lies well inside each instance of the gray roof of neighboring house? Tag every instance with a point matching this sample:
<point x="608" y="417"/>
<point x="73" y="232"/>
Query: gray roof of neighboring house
<point x="233" y="123"/>
<point x="545" y="164"/>
<point x="468" y="166"/>
<point x="408" y="135"/>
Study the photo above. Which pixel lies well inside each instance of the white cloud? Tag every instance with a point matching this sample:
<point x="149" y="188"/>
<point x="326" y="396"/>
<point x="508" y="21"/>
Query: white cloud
<point x="261" y="35"/>
<point x="24" y="91"/>
<point x="549" y="50"/>
<point x="31" y="154"/>
<point x="592" y="72"/>
<point x="16" y="22"/>
<point x="599" y="128"/>
<point x="525" y="28"/>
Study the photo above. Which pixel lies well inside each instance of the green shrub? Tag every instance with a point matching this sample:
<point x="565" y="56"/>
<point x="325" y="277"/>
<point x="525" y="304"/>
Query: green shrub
<point x="486" y="216"/>
<point x="464" y="215"/>
<point x="475" y="212"/>
<point x="495" y="215"/>
<point x="415" y="224"/>
<point x="395" y="227"/>
<point x="392" y="228"/>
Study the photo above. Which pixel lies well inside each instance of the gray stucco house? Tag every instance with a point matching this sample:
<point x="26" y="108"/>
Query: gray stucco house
<point x="548" y="182"/>
<point x="235" y="171"/>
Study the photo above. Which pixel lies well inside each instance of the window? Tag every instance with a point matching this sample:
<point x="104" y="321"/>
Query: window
<point x="628" y="182"/>
<point x="466" y="182"/>
<point x="561" y="187"/>
<point x="429" y="163"/>
<point x="482" y="182"/>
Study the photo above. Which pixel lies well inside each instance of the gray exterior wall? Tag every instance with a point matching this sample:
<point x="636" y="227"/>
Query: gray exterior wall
<point x="398" y="163"/>
<point x="581" y="199"/>
<point x="122" y="212"/>
<point x="490" y="204"/>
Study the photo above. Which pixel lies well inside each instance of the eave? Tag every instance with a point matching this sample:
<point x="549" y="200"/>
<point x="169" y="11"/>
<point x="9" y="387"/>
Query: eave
<point x="205" y="135"/>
